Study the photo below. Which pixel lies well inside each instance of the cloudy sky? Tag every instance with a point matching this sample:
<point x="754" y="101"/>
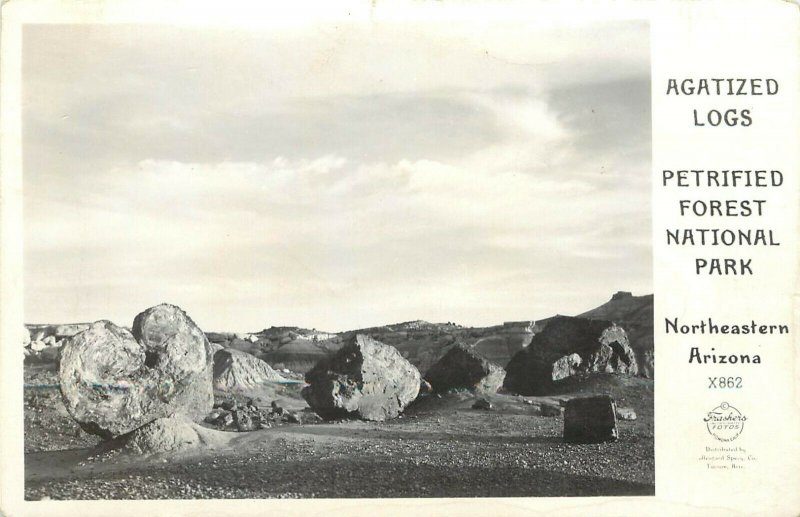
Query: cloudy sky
<point x="335" y="176"/>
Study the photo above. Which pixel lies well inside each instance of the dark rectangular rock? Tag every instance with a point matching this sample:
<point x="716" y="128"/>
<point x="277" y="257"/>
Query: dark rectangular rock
<point x="590" y="420"/>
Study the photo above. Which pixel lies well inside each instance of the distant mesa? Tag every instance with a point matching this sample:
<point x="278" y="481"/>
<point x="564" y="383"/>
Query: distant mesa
<point x="621" y="295"/>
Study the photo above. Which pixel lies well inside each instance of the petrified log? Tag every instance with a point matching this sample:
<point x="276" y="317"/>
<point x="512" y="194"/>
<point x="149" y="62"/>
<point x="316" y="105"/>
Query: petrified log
<point x="462" y="368"/>
<point x="365" y="379"/>
<point x="114" y="381"/>
<point x="568" y="346"/>
<point x="590" y="420"/>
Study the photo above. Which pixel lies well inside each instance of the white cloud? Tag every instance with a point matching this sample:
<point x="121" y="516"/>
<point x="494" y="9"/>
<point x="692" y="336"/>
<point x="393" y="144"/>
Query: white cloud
<point x="331" y="178"/>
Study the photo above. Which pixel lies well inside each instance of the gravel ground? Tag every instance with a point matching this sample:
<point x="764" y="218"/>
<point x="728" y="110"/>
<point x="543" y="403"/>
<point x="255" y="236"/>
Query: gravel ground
<point x="440" y="448"/>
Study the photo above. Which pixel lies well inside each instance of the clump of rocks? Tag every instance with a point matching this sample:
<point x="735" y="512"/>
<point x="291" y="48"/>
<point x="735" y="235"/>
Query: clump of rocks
<point x="234" y="414"/>
<point x="42" y="343"/>
<point x="463" y="368"/>
<point x="115" y="382"/>
<point x="566" y="347"/>
<point x="365" y="379"/>
<point x="40" y="350"/>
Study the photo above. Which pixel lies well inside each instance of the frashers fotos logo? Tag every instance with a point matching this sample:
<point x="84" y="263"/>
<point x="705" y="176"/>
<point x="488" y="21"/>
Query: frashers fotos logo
<point x="725" y="422"/>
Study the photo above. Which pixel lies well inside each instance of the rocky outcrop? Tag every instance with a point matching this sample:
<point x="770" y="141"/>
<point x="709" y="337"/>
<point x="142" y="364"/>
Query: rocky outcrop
<point x="590" y="420"/>
<point x="114" y="381"/>
<point x="568" y="346"/>
<point x="635" y="315"/>
<point x="239" y="372"/>
<point x="462" y="368"/>
<point x="365" y="379"/>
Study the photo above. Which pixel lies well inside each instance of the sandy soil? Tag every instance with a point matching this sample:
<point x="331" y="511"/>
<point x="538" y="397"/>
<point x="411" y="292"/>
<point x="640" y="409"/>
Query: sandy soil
<point x="441" y="447"/>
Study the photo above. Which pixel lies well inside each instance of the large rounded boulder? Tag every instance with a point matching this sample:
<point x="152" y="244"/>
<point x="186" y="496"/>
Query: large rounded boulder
<point x="463" y="368"/>
<point x="569" y="346"/>
<point x="114" y="381"/>
<point x="365" y="379"/>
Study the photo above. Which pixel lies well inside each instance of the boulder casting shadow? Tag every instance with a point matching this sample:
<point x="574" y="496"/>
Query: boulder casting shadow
<point x="365" y="379"/>
<point x="114" y="381"/>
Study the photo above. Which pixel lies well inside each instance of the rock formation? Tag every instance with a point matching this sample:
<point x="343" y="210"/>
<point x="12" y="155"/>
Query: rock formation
<point x="567" y="346"/>
<point x="114" y="381"/>
<point x="590" y="420"/>
<point x="240" y="372"/>
<point x="365" y="379"/>
<point x="462" y="368"/>
<point x="635" y="315"/>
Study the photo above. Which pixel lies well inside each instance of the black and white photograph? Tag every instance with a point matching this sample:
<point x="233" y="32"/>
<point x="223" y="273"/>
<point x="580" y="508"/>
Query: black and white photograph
<point x="395" y="258"/>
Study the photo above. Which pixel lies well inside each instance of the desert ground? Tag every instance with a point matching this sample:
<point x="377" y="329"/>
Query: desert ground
<point x="451" y="443"/>
<point x="440" y="447"/>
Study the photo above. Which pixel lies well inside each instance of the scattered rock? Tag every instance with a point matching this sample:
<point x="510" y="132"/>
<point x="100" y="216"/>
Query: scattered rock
<point x="365" y="379"/>
<point x="26" y="336"/>
<point x="567" y="346"/>
<point x="214" y="415"/>
<point x="463" y="368"/>
<point x="307" y="416"/>
<point x="482" y="404"/>
<point x="590" y="420"/>
<point x="225" y="419"/>
<point x="38" y="346"/>
<point x="625" y="413"/>
<point x="114" y="381"/>
<point x="243" y="421"/>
